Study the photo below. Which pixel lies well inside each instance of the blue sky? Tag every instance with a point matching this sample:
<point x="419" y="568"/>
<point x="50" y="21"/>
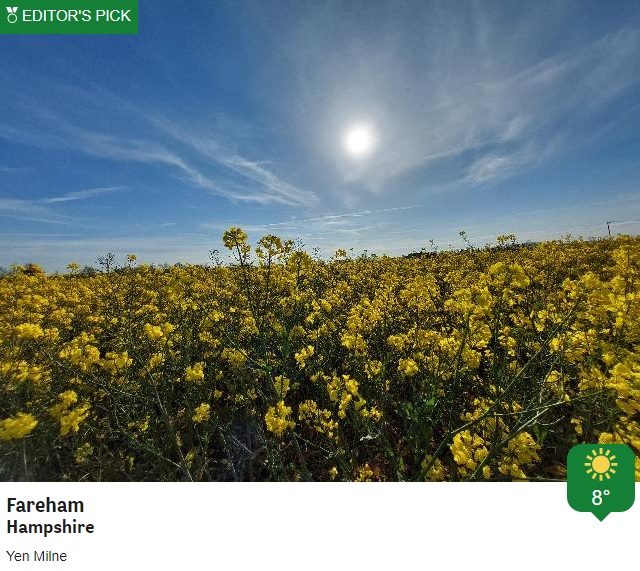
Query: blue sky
<point x="489" y="117"/>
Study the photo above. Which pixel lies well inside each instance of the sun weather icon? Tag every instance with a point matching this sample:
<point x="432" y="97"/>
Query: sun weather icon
<point x="601" y="464"/>
<point x="12" y="17"/>
<point x="601" y="478"/>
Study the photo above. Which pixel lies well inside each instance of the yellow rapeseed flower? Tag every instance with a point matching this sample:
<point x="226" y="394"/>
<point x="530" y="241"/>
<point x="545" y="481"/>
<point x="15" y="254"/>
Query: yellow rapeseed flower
<point x="71" y="420"/>
<point x="18" y="427"/>
<point x="195" y="373"/>
<point x="29" y="331"/>
<point x="201" y="413"/>
<point x="277" y="418"/>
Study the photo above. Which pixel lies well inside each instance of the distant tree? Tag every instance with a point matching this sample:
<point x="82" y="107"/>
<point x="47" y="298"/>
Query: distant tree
<point x="506" y="240"/>
<point x="465" y="239"/>
<point x="32" y="269"/>
<point x="107" y="262"/>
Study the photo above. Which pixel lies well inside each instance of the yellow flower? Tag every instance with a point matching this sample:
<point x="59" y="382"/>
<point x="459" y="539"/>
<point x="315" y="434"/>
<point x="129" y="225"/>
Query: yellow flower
<point x="351" y="386"/>
<point x="234" y="357"/>
<point x="437" y="471"/>
<point x="115" y="362"/>
<point x="67" y="398"/>
<point x="282" y="385"/>
<point x="234" y="237"/>
<point x="155" y="360"/>
<point x="18" y="427"/>
<point x="71" y="420"/>
<point x="25" y="372"/>
<point x="195" y="373"/>
<point x="408" y="367"/>
<point x="518" y="276"/>
<point x="189" y="458"/>
<point x="364" y="473"/>
<point x="277" y="418"/>
<point x="373" y="413"/>
<point x="167" y="327"/>
<point x="201" y="413"/>
<point x="153" y="332"/>
<point x="304" y="354"/>
<point x="29" y="331"/>
<point x="142" y="425"/>
<point x="325" y="305"/>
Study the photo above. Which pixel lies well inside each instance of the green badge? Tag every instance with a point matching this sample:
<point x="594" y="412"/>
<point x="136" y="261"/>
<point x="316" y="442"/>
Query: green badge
<point x="69" y="17"/>
<point x="601" y="478"/>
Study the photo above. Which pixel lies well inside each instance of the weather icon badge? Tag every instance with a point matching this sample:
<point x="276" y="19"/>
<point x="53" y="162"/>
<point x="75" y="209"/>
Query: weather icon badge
<point x="13" y="16"/>
<point x="601" y="478"/>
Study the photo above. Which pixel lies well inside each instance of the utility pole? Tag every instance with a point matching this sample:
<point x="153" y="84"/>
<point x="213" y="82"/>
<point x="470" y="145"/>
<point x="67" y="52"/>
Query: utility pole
<point x="608" y="227"/>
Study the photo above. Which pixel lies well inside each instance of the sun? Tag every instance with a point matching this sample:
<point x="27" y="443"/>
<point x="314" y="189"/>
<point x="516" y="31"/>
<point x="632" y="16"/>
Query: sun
<point x="359" y="141"/>
<point x="601" y="464"/>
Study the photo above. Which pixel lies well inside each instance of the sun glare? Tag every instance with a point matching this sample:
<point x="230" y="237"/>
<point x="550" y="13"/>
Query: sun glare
<point x="359" y="141"/>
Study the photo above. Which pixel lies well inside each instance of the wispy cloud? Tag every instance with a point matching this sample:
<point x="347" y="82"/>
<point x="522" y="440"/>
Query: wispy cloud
<point x="40" y="210"/>
<point x="332" y="219"/>
<point x="354" y="224"/>
<point x="14" y="205"/>
<point x="82" y="194"/>
<point x="213" y="168"/>
<point x="29" y="211"/>
<point x="269" y="188"/>
<point x="35" y="218"/>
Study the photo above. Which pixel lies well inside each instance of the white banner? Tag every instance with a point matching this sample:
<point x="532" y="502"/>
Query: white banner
<point x="308" y="526"/>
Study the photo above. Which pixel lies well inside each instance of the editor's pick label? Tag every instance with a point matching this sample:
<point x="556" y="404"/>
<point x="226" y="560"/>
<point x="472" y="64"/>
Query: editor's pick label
<point x="70" y="17"/>
<point x="601" y="478"/>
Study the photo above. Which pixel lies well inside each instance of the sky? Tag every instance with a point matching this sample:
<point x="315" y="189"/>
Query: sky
<point x="380" y="126"/>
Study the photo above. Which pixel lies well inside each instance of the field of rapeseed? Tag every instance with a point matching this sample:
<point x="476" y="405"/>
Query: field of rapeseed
<point x="474" y="365"/>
